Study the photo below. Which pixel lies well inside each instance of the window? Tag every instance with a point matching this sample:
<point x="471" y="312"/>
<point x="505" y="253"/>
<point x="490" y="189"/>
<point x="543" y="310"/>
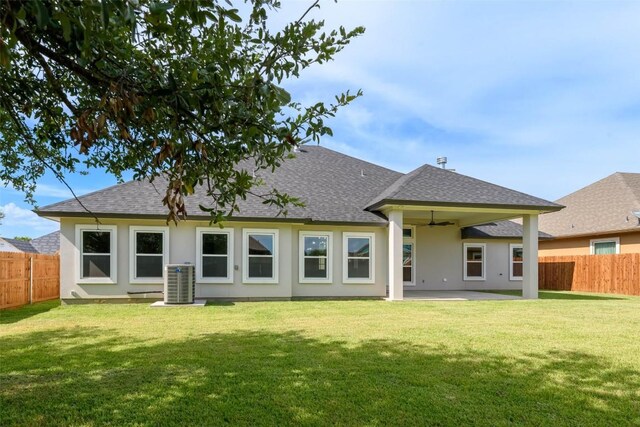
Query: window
<point x="315" y="257"/>
<point x="97" y="257"/>
<point x="605" y="246"/>
<point x="408" y="255"/>
<point x="515" y="263"/>
<point x="149" y="248"/>
<point x="358" y="259"/>
<point x="214" y="251"/>
<point x="260" y="256"/>
<point x="474" y="266"/>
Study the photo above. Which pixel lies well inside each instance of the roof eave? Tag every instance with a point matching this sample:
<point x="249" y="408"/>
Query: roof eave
<point x="289" y="220"/>
<point x="392" y="202"/>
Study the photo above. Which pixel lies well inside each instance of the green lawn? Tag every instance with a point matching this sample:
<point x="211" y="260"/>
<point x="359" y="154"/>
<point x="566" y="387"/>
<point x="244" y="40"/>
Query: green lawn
<point x="555" y="361"/>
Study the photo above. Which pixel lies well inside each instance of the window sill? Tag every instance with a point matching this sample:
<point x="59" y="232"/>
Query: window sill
<point x="474" y="279"/>
<point x="214" y="282"/>
<point x="96" y="282"/>
<point x="358" y="282"/>
<point x="259" y="282"/>
<point x="150" y="281"/>
<point x="315" y="282"/>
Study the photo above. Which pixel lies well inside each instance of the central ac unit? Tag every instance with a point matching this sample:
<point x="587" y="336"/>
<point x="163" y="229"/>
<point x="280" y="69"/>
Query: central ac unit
<point x="179" y="284"/>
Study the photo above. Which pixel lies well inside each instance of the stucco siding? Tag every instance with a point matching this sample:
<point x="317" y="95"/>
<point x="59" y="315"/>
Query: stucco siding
<point x="439" y="261"/>
<point x="7" y="247"/>
<point x="438" y="256"/>
<point x="182" y="249"/>
<point x="629" y="243"/>
<point x="338" y="288"/>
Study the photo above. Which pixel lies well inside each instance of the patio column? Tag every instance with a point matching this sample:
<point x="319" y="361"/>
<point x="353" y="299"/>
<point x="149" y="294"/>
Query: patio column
<point x="530" y="256"/>
<point x="395" y="255"/>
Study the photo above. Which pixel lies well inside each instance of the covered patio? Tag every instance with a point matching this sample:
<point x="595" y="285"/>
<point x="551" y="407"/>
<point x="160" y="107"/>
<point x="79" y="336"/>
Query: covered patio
<point x="427" y="211"/>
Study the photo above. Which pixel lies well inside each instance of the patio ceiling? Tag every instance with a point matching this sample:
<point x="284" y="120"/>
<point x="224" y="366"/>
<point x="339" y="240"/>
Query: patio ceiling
<point x="461" y="216"/>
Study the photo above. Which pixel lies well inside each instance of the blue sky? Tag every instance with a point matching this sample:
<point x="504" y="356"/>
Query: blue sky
<point x="542" y="97"/>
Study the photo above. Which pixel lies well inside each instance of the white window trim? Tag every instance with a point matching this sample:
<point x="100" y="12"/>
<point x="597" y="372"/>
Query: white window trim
<point x="412" y="241"/>
<point x="513" y="246"/>
<point x="113" y="278"/>
<point x="245" y="255"/>
<point x="345" y="264"/>
<point x="484" y="261"/>
<point x="133" y="229"/>
<point x="301" y="257"/>
<point x="592" y="242"/>
<point x="230" y="265"/>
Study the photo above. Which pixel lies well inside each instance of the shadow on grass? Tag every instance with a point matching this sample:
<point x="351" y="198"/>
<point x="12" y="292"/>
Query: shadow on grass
<point x="13" y="315"/>
<point x="561" y="295"/>
<point x="220" y="303"/>
<point x="93" y="377"/>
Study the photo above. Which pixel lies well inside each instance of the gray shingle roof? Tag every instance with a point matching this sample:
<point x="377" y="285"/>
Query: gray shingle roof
<point x="335" y="188"/>
<point x="330" y="183"/>
<point x="47" y="244"/>
<point x="497" y="230"/>
<point x="431" y="185"/>
<point x="606" y="205"/>
<point x="21" y="245"/>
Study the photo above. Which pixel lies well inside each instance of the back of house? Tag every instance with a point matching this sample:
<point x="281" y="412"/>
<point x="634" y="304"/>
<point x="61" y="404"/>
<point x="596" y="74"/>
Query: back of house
<point x="364" y="231"/>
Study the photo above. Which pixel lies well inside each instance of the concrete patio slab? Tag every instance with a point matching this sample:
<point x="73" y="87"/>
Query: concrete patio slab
<point x="455" y="296"/>
<point x="196" y="303"/>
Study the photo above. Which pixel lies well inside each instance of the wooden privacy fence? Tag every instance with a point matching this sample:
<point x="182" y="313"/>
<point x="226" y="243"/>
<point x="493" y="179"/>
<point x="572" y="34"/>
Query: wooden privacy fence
<point x="27" y="278"/>
<point x="610" y="274"/>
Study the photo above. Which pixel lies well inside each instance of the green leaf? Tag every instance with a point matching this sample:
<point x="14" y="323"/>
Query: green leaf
<point x="159" y="8"/>
<point x="5" y="56"/>
<point x="105" y="14"/>
<point x="232" y="14"/>
<point x="282" y="95"/>
<point x="21" y="15"/>
<point x="42" y="14"/>
<point x="66" y="26"/>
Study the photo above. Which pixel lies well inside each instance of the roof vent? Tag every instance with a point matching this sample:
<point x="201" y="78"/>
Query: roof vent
<point x="362" y="172"/>
<point x="442" y="161"/>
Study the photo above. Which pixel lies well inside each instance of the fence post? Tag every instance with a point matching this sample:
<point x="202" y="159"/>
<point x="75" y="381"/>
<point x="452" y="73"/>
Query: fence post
<point x="31" y="280"/>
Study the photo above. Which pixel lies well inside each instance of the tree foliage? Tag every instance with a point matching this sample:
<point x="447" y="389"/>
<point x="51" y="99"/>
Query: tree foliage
<point x="180" y="89"/>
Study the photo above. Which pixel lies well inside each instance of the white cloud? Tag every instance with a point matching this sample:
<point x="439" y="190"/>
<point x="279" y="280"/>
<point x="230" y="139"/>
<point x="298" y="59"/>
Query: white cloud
<point x="18" y="221"/>
<point x="54" y="191"/>
<point x="538" y="96"/>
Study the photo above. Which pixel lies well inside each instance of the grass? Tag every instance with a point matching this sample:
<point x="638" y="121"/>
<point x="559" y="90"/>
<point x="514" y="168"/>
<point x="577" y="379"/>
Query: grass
<point x="546" y="362"/>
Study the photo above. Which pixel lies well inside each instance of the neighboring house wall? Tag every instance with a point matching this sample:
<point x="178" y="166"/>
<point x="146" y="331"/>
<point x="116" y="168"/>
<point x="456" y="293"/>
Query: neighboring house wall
<point x="440" y="256"/>
<point x="7" y="247"/>
<point x="629" y="243"/>
<point x="182" y="248"/>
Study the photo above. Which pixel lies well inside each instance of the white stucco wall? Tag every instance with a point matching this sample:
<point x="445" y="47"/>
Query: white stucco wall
<point x="7" y="247"/>
<point x="439" y="256"/>
<point x="182" y="248"/>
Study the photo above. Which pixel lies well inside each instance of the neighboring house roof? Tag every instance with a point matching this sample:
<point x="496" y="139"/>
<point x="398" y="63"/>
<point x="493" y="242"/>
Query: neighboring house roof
<point x="436" y="186"/>
<point x="335" y="188"/>
<point x="498" y="230"/>
<point x="47" y="244"/>
<point x="21" y="245"/>
<point x="605" y="206"/>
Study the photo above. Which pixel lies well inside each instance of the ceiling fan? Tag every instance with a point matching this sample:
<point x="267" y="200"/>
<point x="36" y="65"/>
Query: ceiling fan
<point x="439" y="224"/>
